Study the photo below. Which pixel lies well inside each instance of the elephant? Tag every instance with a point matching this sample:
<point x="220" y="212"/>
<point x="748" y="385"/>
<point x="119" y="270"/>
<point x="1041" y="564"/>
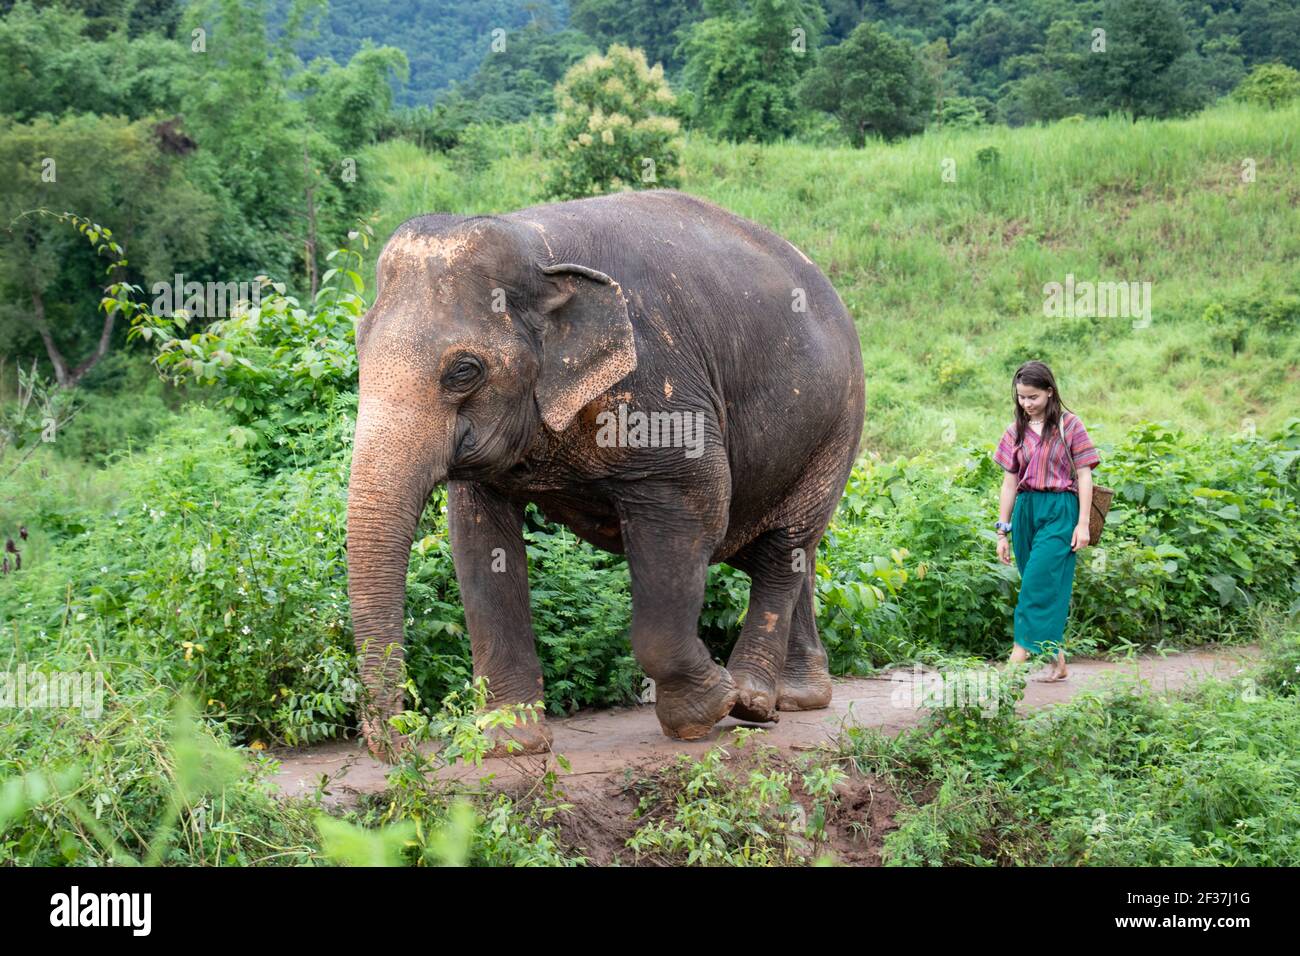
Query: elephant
<point x="528" y="357"/>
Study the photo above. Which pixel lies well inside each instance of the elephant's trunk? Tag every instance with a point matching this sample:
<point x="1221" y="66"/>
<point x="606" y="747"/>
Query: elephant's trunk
<point x="393" y="472"/>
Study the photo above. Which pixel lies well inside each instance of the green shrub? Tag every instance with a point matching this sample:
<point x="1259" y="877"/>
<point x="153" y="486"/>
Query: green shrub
<point x="613" y="129"/>
<point x="211" y="581"/>
<point x="1115" y="777"/>
<point x="275" y="365"/>
<point x="581" y="606"/>
<point x="142" y="783"/>
<point x="1269" y="84"/>
<point x="425" y="820"/>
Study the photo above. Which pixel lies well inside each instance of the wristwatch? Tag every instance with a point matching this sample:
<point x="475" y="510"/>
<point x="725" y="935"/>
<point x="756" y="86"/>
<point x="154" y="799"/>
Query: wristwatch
<point x="1002" y="526"/>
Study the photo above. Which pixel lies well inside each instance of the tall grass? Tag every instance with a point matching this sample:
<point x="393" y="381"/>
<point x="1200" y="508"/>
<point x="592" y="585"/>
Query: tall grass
<point x="945" y="279"/>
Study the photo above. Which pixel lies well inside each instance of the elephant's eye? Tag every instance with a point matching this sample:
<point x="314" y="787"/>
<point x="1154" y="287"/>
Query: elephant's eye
<point x="463" y="374"/>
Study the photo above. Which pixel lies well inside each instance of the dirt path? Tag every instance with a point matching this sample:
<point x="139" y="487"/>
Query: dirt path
<point x="600" y="743"/>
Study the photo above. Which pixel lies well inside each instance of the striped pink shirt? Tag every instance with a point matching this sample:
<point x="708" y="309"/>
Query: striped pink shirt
<point x="1043" y="464"/>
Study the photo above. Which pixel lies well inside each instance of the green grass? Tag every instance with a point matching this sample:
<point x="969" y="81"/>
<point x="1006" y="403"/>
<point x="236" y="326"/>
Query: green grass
<point x="1120" y="775"/>
<point x="944" y="280"/>
<point x="941" y="272"/>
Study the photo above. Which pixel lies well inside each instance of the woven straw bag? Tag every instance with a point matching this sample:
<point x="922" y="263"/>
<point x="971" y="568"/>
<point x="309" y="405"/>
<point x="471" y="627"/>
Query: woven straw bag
<point x="1101" y="499"/>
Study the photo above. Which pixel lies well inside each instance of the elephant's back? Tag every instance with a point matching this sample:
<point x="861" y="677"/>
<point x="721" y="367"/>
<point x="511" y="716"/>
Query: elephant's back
<point x="695" y="272"/>
<point x="728" y="312"/>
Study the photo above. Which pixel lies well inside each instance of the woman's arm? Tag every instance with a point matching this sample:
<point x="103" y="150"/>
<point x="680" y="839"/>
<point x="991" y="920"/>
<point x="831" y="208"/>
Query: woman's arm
<point x="1008" y="499"/>
<point x="1082" y="533"/>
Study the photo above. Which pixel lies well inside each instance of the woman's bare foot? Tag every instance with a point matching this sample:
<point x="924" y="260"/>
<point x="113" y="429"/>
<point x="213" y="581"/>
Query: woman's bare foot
<point x="1056" y="671"/>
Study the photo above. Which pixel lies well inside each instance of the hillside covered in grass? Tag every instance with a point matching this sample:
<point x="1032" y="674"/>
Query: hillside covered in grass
<point x="186" y="541"/>
<point x="945" y="278"/>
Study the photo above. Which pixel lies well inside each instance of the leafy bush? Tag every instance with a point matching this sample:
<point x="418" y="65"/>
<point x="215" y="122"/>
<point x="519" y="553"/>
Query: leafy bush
<point x="426" y="820"/>
<point x="211" y="580"/>
<point x="1220" y="514"/>
<point x="143" y="783"/>
<point x="581" y="606"/>
<point x="613" y="129"/>
<point x="105" y="424"/>
<point x="1269" y="84"/>
<point x="275" y="364"/>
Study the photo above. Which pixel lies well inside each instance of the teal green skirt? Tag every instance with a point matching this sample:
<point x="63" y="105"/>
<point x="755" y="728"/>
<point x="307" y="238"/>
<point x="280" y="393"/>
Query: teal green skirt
<point x="1042" y="527"/>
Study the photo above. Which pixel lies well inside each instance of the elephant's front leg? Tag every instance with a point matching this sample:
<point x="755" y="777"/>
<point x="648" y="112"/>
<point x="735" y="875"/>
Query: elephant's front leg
<point x="488" y="547"/>
<point x="668" y="559"/>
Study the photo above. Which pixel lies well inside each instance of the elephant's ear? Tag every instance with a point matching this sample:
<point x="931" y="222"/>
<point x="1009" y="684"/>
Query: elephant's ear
<point x="587" y="343"/>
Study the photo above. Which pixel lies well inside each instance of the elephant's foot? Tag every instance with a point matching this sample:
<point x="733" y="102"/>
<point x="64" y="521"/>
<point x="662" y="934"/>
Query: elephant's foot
<point x="523" y="737"/>
<point x="803" y="689"/>
<point x="758" y="698"/>
<point x="688" y="711"/>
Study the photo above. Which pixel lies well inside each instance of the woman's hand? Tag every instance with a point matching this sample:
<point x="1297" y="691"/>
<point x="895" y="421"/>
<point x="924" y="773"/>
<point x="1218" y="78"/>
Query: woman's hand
<point x="1082" y="536"/>
<point x="1004" y="549"/>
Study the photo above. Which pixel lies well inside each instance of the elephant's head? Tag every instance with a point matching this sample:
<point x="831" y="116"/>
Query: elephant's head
<point x="475" y="341"/>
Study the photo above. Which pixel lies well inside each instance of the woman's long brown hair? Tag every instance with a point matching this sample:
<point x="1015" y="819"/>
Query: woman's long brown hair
<point x="1037" y="375"/>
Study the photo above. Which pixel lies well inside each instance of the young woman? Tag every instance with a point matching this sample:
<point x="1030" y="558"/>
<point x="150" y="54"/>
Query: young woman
<point x="1048" y="508"/>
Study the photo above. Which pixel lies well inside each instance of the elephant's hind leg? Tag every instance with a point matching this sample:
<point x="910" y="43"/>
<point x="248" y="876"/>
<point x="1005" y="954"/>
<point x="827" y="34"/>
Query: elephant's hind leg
<point x="776" y="563"/>
<point x="806" y="677"/>
<point x="805" y="680"/>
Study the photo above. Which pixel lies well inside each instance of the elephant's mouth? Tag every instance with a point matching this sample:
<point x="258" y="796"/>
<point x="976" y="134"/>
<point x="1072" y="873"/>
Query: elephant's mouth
<point x="477" y="455"/>
<point x="464" y="444"/>
<point x="473" y="459"/>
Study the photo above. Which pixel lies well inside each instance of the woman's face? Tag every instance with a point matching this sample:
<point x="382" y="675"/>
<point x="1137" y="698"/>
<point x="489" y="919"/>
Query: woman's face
<point x="1033" y="400"/>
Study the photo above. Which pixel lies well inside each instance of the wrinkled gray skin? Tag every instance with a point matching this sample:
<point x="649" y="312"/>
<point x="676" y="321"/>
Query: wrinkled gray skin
<point x="492" y="347"/>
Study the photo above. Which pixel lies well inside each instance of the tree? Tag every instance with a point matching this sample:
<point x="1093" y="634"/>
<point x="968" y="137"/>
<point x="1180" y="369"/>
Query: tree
<point x="108" y="170"/>
<point x="52" y="66"/>
<point x="963" y="112"/>
<point x="612" y="130"/>
<point x="655" y="26"/>
<point x="873" y="84"/>
<point x="1270" y="84"/>
<point x="743" y="65"/>
<point x="519" y="81"/>
<point x="1142" y="70"/>
<point x="1045" y="84"/>
<point x="278" y="164"/>
<point x="939" y="64"/>
<point x="354" y="99"/>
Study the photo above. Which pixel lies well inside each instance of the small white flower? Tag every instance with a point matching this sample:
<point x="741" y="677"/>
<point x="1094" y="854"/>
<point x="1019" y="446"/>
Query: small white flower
<point x="103" y="569"/>
<point x="246" y="630"/>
